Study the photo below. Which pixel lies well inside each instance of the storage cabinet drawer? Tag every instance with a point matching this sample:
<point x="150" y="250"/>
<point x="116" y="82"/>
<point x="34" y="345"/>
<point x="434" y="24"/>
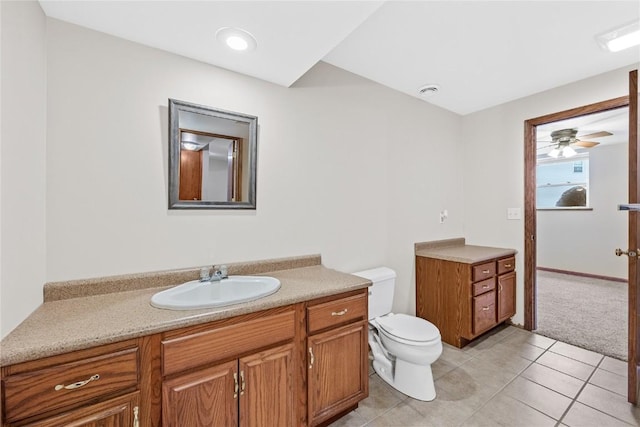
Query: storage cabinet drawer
<point x="182" y="353"/>
<point x="46" y="389"/>
<point x="506" y="265"/>
<point x="484" y="271"/>
<point x="484" y="286"/>
<point x="337" y="312"/>
<point x="484" y="312"/>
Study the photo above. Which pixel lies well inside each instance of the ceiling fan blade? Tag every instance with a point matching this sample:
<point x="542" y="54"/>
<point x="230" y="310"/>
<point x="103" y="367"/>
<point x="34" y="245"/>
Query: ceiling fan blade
<point x="596" y="134"/>
<point x="585" y="144"/>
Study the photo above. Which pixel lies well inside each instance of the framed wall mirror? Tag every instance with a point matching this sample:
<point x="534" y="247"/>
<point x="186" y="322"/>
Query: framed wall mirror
<point x="212" y="158"/>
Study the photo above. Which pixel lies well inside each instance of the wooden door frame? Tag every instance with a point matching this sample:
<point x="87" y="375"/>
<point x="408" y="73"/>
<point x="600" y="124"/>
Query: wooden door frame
<point x="633" y="375"/>
<point x="530" y="214"/>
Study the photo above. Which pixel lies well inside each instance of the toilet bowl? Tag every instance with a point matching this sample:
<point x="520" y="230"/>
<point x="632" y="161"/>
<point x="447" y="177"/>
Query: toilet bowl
<point x="403" y="346"/>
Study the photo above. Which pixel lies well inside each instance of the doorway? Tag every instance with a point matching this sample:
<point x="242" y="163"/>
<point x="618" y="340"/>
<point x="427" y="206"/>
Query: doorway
<point x="530" y="243"/>
<point x="581" y="173"/>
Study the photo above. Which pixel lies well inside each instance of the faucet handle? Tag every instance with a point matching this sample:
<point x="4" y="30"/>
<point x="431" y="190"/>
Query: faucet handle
<point x="221" y="271"/>
<point x="205" y="274"/>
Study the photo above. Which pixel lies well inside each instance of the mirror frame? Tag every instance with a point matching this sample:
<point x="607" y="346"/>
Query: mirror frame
<point x="175" y="107"/>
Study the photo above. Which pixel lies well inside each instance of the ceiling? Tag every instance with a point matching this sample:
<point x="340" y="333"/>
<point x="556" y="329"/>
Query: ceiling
<point x="480" y="53"/>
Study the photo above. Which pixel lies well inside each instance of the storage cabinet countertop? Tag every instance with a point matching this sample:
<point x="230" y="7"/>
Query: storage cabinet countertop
<point x="66" y="325"/>
<point x="456" y="250"/>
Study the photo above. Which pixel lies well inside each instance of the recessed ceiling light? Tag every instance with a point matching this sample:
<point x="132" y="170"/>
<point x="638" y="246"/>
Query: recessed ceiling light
<point x="236" y="39"/>
<point x="428" y="90"/>
<point x="621" y="38"/>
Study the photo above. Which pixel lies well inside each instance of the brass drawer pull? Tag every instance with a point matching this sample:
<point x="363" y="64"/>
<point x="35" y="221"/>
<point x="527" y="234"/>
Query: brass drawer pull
<point x="486" y="271"/>
<point x="78" y="384"/>
<point x="507" y="266"/>
<point x="485" y="286"/>
<point x="339" y="313"/>
<point x="485" y="308"/>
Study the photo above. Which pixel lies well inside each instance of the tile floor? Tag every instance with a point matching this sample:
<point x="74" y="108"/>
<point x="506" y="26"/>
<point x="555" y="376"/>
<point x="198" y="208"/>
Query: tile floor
<point x="510" y="377"/>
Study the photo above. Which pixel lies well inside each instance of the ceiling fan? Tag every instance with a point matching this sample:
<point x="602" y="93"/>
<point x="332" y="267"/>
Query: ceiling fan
<point x="564" y="140"/>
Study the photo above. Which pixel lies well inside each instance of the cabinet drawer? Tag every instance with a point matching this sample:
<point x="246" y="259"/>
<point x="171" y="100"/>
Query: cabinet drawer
<point x="337" y="312"/>
<point x="484" y="286"/>
<point x="182" y="353"/>
<point x="46" y="389"/>
<point x="484" y="271"/>
<point x="484" y="312"/>
<point x="506" y="265"/>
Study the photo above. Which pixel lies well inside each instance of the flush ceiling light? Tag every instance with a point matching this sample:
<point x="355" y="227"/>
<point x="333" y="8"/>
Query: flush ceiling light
<point x="621" y="38"/>
<point x="236" y="39"/>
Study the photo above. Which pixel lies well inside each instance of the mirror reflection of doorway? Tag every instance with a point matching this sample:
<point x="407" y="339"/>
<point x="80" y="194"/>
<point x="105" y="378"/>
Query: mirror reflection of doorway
<point x="210" y="166"/>
<point x="581" y="174"/>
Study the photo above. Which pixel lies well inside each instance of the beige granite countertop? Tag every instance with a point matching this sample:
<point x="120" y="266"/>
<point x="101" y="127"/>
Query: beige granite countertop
<point x="62" y="325"/>
<point x="457" y="250"/>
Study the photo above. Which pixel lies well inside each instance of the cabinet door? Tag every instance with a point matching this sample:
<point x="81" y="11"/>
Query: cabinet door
<point x="204" y="398"/>
<point x="506" y="296"/>
<point x="119" y="412"/>
<point x="267" y="388"/>
<point x="337" y="371"/>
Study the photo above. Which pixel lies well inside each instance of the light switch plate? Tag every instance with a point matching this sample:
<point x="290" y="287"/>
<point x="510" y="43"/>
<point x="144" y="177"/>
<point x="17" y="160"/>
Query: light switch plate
<point x="514" y="213"/>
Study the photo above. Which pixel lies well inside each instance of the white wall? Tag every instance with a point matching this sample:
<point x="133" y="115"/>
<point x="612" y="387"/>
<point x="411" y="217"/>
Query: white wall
<point x="346" y="167"/>
<point x="584" y="241"/>
<point x="22" y="159"/>
<point x="493" y="141"/>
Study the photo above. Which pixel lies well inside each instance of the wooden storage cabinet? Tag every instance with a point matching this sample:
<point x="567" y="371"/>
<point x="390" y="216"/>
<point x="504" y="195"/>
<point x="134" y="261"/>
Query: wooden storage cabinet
<point x="337" y="357"/>
<point x="465" y="300"/>
<point x="256" y="387"/>
<point x="75" y="389"/>
<point x="296" y="365"/>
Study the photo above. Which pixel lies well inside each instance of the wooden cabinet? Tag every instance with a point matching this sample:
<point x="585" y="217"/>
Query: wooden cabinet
<point x="75" y="389"/>
<point x="256" y="389"/>
<point x="465" y="300"/>
<point x="118" y="412"/>
<point x="337" y="357"/>
<point x="295" y="365"/>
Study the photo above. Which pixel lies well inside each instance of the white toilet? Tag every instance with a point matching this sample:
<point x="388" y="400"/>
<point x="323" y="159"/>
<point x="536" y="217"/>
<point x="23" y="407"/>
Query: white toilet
<point x="403" y="346"/>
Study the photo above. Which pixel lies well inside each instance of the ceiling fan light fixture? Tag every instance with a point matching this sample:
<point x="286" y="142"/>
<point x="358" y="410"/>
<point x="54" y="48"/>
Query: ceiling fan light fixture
<point x="621" y="38"/>
<point x="568" y="152"/>
<point x="555" y="153"/>
<point x="237" y="39"/>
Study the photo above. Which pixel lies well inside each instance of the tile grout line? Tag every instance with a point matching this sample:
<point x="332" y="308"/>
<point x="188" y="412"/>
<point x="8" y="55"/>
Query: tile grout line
<point x="575" y="399"/>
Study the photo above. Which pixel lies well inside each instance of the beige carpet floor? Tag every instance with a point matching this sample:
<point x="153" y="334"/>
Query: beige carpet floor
<point x="589" y="313"/>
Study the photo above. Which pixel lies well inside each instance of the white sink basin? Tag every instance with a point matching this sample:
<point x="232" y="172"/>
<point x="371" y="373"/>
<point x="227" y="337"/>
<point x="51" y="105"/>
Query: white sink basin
<point x="233" y="290"/>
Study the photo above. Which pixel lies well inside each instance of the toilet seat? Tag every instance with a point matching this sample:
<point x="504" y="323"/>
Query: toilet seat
<point x="408" y="329"/>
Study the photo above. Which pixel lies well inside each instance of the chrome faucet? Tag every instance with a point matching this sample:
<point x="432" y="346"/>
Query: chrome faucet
<point x="219" y="273"/>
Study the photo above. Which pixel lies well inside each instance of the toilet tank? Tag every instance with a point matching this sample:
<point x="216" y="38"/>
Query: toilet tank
<point x="381" y="292"/>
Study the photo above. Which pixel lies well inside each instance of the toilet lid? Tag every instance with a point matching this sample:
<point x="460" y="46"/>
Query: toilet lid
<point x="408" y="327"/>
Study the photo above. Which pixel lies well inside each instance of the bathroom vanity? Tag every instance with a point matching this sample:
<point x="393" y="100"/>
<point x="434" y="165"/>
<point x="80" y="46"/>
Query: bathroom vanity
<point x="464" y="290"/>
<point x="294" y="358"/>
